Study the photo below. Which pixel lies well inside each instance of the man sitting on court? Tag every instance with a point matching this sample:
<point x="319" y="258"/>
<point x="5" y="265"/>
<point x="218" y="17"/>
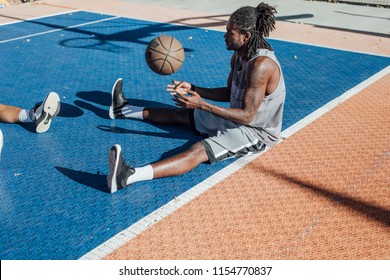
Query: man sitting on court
<point x="256" y="92"/>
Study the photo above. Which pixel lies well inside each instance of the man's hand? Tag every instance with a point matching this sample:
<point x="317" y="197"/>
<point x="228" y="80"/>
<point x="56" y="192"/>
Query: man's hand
<point x="184" y="97"/>
<point x="188" y="99"/>
<point x="172" y="88"/>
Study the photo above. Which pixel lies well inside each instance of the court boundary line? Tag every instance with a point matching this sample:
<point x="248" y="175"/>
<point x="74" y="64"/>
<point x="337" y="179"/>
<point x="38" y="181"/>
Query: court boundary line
<point x="331" y="48"/>
<point x="158" y="215"/>
<point x="59" y="29"/>
<point x="35" y="18"/>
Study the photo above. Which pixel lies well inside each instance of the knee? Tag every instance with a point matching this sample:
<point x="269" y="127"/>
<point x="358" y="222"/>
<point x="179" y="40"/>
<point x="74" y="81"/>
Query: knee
<point x="198" y="152"/>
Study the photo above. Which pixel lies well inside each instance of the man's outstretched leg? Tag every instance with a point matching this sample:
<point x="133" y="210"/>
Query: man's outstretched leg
<point x="41" y="115"/>
<point x="122" y="175"/>
<point x="121" y="109"/>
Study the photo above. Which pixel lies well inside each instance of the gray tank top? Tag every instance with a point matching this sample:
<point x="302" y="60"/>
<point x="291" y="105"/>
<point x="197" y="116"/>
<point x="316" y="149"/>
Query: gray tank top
<point x="267" y="123"/>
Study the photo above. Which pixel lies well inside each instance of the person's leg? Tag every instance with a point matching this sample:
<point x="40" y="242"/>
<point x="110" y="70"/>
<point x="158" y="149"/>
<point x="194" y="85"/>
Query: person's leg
<point x="9" y="114"/>
<point x="122" y="175"/>
<point x="180" y="163"/>
<point x="40" y="115"/>
<point x="167" y="116"/>
<point x="120" y="109"/>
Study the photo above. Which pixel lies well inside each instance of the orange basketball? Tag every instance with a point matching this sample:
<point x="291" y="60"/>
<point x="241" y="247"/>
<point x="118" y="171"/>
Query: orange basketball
<point x="164" y="55"/>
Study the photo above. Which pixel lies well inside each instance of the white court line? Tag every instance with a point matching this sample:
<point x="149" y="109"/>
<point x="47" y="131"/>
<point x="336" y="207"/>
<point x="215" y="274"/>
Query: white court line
<point x="329" y="47"/>
<point x="126" y="235"/>
<point x="31" y="19"/>
<point x="59" y="29"/>
<point x="333" y="103"/>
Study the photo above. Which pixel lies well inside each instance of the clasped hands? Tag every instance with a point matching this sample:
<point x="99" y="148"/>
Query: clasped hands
<point x="184" y="97"/>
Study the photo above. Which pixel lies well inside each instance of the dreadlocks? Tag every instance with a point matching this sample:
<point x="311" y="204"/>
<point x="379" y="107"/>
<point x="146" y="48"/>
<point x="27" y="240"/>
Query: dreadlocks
<point x="259" y="21"/>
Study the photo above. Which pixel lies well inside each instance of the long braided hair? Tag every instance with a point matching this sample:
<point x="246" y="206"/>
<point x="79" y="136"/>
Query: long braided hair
<point x="259" y="21"/>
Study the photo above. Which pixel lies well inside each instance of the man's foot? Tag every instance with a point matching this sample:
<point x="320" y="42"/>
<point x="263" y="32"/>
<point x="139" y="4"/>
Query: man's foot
<point x="118" y="100"/>
<point x="43" y="114"/>
<point x="119" y="170"/>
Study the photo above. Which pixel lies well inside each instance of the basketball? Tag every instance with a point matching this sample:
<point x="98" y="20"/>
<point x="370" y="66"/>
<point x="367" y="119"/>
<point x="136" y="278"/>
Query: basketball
<point x="164" y="55"/>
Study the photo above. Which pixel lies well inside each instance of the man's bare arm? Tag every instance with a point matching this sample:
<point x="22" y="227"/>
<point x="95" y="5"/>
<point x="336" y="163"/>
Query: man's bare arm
<point x="258" y="74"/>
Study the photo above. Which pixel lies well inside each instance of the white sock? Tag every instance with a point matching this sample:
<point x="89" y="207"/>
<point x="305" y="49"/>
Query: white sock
<point x="133" y="112"/>
<point x="141" y="174"/>
<point x="24" y="116"/>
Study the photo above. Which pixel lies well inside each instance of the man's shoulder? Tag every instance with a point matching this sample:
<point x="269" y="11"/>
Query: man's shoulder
<point x="263" y="63"/>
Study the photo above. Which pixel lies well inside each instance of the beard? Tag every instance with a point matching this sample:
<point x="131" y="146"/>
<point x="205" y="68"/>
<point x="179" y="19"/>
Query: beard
<point x="235" y="46"/>
<point x="232" y="46"/>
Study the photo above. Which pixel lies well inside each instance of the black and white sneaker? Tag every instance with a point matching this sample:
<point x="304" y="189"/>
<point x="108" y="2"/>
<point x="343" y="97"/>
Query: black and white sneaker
<point x="42" y="114"/>
<point x="119" y="170"/>
<point x="118" y="100"/>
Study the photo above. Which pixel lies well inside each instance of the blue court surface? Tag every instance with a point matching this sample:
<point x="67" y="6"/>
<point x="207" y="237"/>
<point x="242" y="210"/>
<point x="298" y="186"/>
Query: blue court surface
<point x="53" y="197"/>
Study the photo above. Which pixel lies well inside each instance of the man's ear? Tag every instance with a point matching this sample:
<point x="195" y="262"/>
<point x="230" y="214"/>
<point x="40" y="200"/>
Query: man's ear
<point x="247" y="36"/>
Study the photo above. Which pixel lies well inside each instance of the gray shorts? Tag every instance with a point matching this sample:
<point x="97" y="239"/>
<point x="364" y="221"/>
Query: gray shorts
<point x="226" y="139"/>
